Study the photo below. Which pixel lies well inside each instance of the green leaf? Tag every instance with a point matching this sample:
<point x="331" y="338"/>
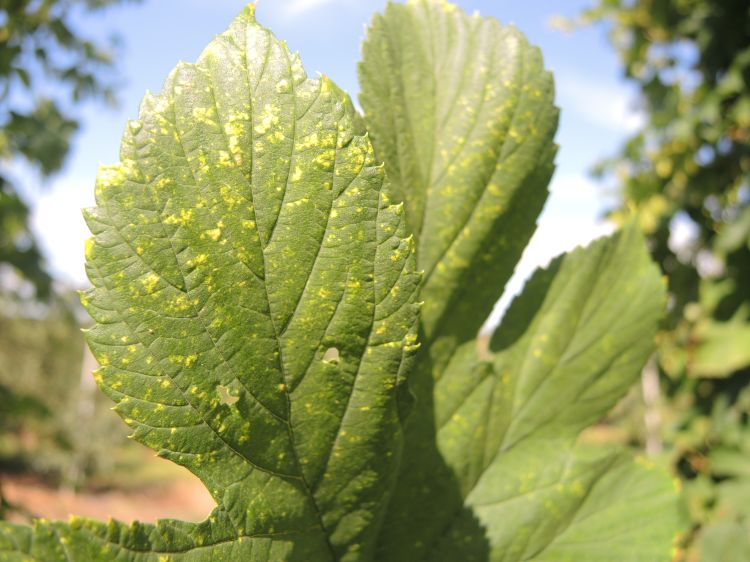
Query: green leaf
<point x="721" y="349"/>
<point x="507" y="480"/>
<point x="724" y="541"/>
<point x="461" y="110"/>
<point x="550" y="502"/>
<point x="254" y="303"/>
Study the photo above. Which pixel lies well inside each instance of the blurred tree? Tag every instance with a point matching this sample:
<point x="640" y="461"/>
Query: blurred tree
<point x="53" y="422"/>
<point x="46" y="68"/>
<point x="687" y="174"/>
<point x="41" y="49"/>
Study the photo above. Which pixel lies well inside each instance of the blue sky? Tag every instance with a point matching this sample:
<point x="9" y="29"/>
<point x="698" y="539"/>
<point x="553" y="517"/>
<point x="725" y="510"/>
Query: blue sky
<point x="596" y="104"/>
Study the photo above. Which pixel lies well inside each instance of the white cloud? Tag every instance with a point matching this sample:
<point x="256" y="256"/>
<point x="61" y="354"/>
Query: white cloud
<point x="560" y="230"/>
<point x="600" y="102"/>
<point x="297" y="7"/>
<point x="582" y="195"/>
<point x="552" y="238"/>
<point x="61" y="230"/>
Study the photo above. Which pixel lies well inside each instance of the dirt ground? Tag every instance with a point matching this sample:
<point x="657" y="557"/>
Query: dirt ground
<point x="182" y="497"/>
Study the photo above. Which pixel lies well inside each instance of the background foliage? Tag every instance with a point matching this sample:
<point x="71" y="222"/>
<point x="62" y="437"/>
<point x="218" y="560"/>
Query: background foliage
<point x="47" y="67"/>
<point x="54" y="423"/>
<point x="687" y="172"/>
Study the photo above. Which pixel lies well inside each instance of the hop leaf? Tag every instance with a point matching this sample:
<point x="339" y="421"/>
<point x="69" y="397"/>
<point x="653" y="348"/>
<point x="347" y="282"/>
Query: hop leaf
<point x="245" y="233"/>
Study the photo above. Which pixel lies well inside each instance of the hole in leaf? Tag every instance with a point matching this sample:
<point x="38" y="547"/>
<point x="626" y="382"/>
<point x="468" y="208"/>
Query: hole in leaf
<point x="225" y="397"/>
<point x="331" y="355"/>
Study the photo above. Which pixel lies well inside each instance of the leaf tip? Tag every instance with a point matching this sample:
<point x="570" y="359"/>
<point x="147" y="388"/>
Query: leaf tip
<point x="248" y="12"/>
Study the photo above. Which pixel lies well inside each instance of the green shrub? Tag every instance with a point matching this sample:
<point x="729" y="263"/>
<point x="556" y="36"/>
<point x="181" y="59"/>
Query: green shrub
<point x="256" y="296"/>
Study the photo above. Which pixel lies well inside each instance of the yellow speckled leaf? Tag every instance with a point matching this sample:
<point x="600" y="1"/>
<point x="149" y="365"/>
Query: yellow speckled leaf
<point x="254" y="302"/>
<point x="462" y="112"/>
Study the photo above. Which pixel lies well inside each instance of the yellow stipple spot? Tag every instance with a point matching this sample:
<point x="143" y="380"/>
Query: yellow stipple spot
<point x="166" y="383"/>
<point x="182" y="219"/>
<point x="249" y="224"/>
<point x="103" y="359"/>
<point x="325" y="160"/>
<point x="268" y="118"/>
<point x="323" y="293"/>
<point x="109" y="176"/>
<point x="537" y="353"/>
<point x="282" y="387"/>
<point x="309" y="141"/>
<point x="214" y="234"/>
<point x="204" y="114"/>
<point x="225" y="160"/>
<point x="89" y="248"/>
<point x="297" y="175"/>
<point x="149" y="282"/>
<point x="190" y="359"/>
<point x="364" y="409"/>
